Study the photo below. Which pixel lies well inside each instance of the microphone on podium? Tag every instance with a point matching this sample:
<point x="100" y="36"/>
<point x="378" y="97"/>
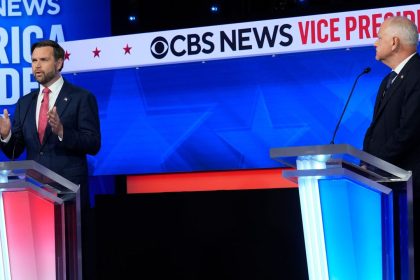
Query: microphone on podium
<point x="365" y="71"/>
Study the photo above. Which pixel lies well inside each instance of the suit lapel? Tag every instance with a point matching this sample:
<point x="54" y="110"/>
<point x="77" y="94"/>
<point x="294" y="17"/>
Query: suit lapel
<point x="379" y="97"/>
<point x="380" y="105"/>
<point x="31" y="120"/>
<point x="390" y="92"/>
<point x="63" y="100"/>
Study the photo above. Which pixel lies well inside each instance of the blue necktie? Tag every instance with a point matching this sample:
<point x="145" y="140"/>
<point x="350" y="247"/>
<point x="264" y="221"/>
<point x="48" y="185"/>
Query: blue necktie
<point x="391" y="77"/>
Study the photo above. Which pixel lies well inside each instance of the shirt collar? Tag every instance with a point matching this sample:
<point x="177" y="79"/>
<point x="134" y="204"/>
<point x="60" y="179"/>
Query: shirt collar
<point x="402" y="64"/>
<point x="55" y="87"/>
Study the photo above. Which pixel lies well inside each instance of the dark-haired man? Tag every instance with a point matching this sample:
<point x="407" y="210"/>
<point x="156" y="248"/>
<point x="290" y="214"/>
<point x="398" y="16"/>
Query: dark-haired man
<point x="57" y="124"/>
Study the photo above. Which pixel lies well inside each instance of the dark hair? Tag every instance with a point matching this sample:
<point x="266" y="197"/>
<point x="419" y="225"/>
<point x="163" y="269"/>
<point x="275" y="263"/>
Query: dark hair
<point x="58" y="50"/>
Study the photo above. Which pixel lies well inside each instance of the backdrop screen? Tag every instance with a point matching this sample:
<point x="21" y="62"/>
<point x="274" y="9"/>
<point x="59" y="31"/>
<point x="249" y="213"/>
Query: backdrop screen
<point x="227" y="114"/>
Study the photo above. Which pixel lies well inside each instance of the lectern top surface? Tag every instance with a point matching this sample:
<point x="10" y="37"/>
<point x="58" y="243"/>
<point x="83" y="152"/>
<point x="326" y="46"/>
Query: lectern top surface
<point x="28" y="174"/>
<point x="342" y="155"/>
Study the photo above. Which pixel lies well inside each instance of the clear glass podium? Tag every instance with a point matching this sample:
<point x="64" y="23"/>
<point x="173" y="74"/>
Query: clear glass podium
<point x="357" y="212"/>
<point x="39" y="223"/>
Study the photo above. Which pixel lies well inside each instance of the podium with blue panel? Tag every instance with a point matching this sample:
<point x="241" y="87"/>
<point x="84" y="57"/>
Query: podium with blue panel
<point x="39" y="223"/>
<point x="356" y="212"/>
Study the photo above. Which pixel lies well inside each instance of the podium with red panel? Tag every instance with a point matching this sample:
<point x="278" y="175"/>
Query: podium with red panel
<point x="39" y="223"/>
<point x="356" y="212"/>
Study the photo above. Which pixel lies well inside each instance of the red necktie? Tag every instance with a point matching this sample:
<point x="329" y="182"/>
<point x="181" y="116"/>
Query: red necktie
<point x="42" y="120"/>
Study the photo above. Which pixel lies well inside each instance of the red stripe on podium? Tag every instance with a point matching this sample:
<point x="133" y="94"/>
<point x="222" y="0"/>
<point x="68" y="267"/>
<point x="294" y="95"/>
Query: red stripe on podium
<point x="208" y="181"/>
<point x="30" y="235"/>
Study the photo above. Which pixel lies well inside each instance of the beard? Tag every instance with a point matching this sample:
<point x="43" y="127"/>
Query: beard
<point x="45" y="77"/>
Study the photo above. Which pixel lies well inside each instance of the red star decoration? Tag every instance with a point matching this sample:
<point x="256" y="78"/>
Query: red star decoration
<point x="127" y="49"/>
<point x="67" y="55"/>
<point x="96" y="52"/>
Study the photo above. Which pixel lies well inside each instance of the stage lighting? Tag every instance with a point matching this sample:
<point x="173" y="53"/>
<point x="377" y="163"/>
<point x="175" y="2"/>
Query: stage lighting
<point x="214" y="8"/>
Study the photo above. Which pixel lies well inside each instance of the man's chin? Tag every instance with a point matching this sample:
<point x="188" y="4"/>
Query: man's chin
<point x="39" y="79"/>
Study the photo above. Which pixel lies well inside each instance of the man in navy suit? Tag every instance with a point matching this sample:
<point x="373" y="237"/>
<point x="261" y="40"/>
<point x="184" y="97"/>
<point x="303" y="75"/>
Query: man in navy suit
<point x="71" y="125"/>
<point x="394" y="133"/>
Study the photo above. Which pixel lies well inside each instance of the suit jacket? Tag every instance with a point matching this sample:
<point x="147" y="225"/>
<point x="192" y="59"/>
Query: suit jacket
<point x="394" y="133"/>
<point x="78" y="112"/>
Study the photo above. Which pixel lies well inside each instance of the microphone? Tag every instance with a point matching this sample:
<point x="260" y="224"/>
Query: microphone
<point x="365" y="71"/>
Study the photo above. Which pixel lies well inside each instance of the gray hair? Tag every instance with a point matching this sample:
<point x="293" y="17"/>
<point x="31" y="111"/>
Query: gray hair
<point x="405" y="29"/>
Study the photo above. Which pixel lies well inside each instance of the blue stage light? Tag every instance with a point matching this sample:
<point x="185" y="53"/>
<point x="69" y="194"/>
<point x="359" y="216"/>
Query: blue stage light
<point x="214" y="8"/>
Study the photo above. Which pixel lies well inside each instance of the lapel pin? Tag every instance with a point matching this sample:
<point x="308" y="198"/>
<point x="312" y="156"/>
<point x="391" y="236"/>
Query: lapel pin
<point x="402" y="76"/>
<point x="65" y="99"/>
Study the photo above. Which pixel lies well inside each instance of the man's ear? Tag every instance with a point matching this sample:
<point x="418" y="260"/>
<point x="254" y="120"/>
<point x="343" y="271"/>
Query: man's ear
<point x="395" y="43"/>
<point x="60" y="64"/>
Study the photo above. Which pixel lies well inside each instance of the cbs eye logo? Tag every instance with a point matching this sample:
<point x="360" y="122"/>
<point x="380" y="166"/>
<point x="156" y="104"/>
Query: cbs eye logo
<point x="159" y="47"/>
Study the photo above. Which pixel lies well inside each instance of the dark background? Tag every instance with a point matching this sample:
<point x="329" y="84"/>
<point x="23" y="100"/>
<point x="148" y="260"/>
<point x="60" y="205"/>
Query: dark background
<point x="249" y="234"/>
<point x="157" y="15"/>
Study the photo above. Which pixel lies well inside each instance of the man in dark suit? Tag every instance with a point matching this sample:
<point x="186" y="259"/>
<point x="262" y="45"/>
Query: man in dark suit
<point x="58" y="124"/>
<point x="394" y="133"/>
